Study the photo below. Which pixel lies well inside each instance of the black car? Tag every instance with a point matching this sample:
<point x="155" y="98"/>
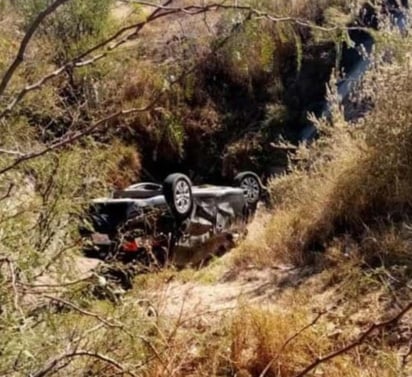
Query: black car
<point x="149" y="221"/>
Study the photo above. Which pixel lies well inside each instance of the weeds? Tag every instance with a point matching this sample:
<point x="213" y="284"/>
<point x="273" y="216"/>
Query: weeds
<point x="344" y="205"/>
<point x="353" y="175"/>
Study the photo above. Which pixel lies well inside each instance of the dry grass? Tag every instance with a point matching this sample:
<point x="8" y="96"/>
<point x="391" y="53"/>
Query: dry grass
<point x="260" y="342"/>
<point x="352" y="177"/>
<point x="345" y="205"/>
<point x="258" y="337"/>
<point x="355" y="180"/>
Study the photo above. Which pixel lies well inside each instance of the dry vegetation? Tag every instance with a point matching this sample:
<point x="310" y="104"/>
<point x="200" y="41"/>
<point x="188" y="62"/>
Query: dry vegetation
<point x="344" y="210"/>
<point x="339" y="219"/>
<point x="354" y="181"/>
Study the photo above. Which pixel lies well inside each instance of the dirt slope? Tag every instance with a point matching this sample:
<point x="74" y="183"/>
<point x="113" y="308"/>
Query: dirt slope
<point x="261" y="287"/>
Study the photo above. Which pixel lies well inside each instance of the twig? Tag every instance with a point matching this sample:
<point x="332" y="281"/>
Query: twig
<point x="156" y="353"/>
<point x="57" y="285"/>
<point x="289" y="340"/>
<point x="74" y="136"/>
<point x="70" y="138"/>
<point x="196" y="9"/>
<point x="54" y="258"/>
<point x="160" y="11"/>
<point x="359" y="340"/>
<point x="406" y="355"/>
<point x="69" y="304"/>
<point x="7" y="194"/>
<point x="11" y="152"/>
<point x="79" y="61"/>
<point x="13" y="281"/>
<point x="53" y="364"/>
<point x="25" y="42"/>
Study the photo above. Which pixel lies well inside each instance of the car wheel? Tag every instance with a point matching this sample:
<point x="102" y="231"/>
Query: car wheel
<point x="177" y="189"/>
<point x="251" y="185"/>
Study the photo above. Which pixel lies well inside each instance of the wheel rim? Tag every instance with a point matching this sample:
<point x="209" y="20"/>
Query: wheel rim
<point x="182" y="197"/>
<point x="251" y="189"/>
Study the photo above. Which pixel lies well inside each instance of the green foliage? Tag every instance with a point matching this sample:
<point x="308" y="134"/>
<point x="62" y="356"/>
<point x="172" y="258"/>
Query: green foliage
<point x="250" y="53"/>
<point x="72" y="27"/>
<point x="267" y="52"/>
<point x="39" y="221"/>
<point x="299" y="52"/>
<point x="174" y="132"/>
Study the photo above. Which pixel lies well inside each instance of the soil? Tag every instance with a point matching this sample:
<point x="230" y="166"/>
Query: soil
<point x="212" y="301"/>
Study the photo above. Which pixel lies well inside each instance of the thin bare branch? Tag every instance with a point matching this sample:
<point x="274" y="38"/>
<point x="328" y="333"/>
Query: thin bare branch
<point x="54" y="363"/>
<point x="290" y="340"/>
<point x="11" y="152"/>
<point x="196" y="9"/>
<point x="80" y="61"/>
<point x="73" y="136"/>
<point x="25" y="42"/>
<point x="406" y="355"/>
<point x="69" y="304"/>
<point x="358" y="341"/>
<point x="160" y="11"/>
<point x="8" y="192"/>
<point x="13" y="284"/>
<point x="57" y="285"/>
<point x="54" y="258"/>
<point x="13" y="281"/>
<point x="70" y="138"/>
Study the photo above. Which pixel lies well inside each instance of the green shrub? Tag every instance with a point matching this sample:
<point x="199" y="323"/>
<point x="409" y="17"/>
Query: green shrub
<point x="73" y="26"/>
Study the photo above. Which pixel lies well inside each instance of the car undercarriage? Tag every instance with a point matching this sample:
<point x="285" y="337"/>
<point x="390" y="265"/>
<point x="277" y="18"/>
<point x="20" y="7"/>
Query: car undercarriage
<point x="149" y="222"/>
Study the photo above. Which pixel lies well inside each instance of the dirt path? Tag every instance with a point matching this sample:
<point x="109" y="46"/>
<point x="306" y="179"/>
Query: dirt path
<point x="194" y="299"/>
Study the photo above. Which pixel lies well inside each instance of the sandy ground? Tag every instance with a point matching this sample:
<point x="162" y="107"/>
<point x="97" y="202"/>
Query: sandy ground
<point x="212" y="301"/>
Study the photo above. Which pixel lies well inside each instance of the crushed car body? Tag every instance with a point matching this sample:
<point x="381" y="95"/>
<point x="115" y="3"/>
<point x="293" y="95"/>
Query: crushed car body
<point x="148" y="222"/>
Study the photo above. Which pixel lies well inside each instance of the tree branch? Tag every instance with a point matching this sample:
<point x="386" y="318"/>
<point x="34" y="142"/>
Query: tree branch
<point x="25" y="42"/>
<point x="74" y="136"/>
<point x="7" y="194"/>
<point x="53" y="364"/>
<point x="13" y="282"/>
<point x="54" y="258"/>
<point x="13" y="279"/>
<point x="27" y="286"/>
<point x="289" y="340"/>
<point x="359" y="340"/>
<point x="159" y="12"/>
<point x="84" y="312"/>
<point x="11" y="152"/>
<point x="196" y="9"/>
<point x="79" y="61"/>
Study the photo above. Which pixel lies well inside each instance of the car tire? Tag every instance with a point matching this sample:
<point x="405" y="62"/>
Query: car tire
<point x="177" y="189"/>
<point x="251" y="185"/>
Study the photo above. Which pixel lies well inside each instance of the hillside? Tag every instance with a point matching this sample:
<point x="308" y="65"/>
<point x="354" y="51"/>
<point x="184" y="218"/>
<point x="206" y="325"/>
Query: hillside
<point x="314" y="96"/>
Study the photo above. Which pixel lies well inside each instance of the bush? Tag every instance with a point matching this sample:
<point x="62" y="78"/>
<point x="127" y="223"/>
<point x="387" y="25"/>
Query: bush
<point x="352" y="176"/>
<point x="73" y="26"/>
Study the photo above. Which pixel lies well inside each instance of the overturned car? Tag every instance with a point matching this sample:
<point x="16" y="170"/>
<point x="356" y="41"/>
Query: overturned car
<point x="148" y="222"/>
